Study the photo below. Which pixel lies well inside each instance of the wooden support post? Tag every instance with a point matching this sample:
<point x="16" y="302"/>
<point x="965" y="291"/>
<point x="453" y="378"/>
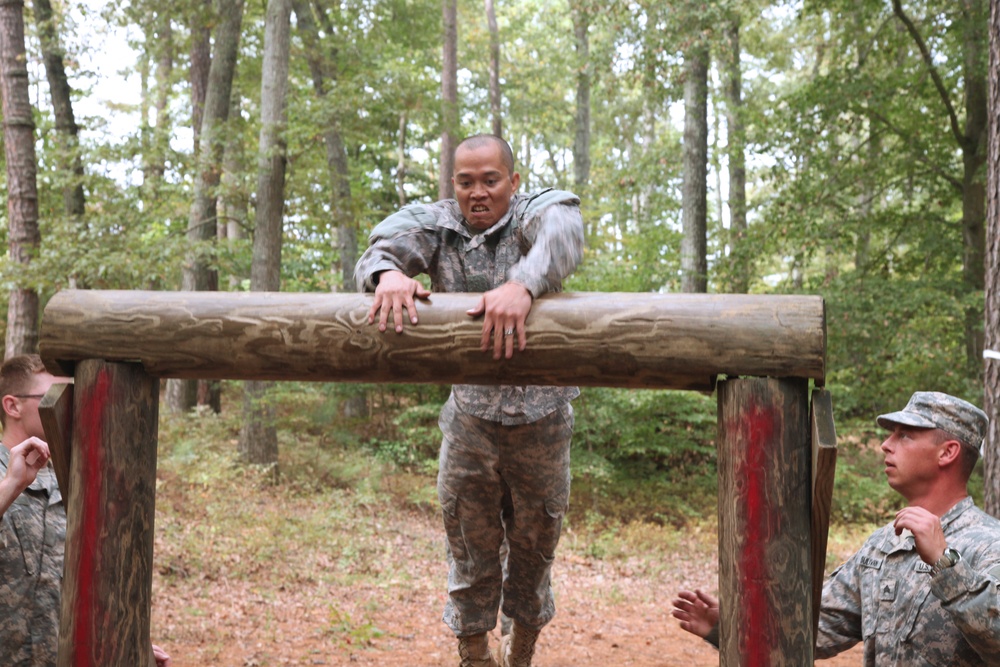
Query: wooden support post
<point x="108" y="576"/>
<point x="824" y="466"/>
<point x="764" y="507"/>
<point x="55" y="411"/>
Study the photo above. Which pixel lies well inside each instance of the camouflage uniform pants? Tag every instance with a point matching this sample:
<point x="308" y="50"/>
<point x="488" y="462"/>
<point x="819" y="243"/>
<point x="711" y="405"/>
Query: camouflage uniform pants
<point x="498" y="482"/>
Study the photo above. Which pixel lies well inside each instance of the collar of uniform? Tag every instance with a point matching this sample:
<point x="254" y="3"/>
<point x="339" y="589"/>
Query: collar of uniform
<point x="955" y="512"/>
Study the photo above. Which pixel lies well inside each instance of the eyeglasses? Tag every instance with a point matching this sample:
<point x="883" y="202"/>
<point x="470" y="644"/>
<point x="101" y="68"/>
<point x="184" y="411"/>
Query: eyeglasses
<point x="29" y="395"/>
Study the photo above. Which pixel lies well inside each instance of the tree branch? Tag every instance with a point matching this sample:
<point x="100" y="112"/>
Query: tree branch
<point x="955" y="182"/>
<point x="897" y="9"/>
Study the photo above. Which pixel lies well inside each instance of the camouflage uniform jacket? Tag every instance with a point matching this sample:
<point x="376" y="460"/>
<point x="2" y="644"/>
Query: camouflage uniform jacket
<point x="536" y="244"/>
<point x="885" y="595"/>
<point x="32" y="544"/>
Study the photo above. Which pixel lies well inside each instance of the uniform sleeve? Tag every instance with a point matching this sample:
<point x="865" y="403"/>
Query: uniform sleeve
<point x="840" y="611"/>
<point x="555" y="236"/>
<point x="973" y="599"/>
<point x="406" y="241"/>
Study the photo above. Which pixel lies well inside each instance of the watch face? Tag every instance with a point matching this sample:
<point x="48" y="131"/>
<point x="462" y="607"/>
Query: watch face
<point x="948" y="559"/>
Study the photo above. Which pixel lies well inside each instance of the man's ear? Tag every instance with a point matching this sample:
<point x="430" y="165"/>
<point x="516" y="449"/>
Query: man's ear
<point x="951" y="451"/>
<point x="12" y="406"/>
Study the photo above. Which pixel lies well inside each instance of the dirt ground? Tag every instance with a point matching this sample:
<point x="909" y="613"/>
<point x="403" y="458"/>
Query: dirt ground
<point x="607" y="615"/>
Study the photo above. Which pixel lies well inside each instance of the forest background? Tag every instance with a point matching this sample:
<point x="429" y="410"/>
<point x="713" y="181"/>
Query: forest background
<point x="834" y="148"/>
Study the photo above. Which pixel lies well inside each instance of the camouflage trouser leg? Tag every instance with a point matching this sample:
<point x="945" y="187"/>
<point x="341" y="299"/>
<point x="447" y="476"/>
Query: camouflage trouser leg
<point x="498" y="481"/>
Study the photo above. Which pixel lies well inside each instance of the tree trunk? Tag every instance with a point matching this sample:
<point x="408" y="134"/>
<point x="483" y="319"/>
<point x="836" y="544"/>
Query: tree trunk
<point x="991" y="374"/>
<point x="495" y="99"/>
<point x="201" y="19"/>
<point x="198" y="274"/>
<point x="449" y="98"/>
<point x="694" y="263"/>
<point x="973" y="177"/>
<point x="70" y="164"/>
<point x="22" y="186"/>
<point x="322" y="72"/>
<point x="740" y="264"/>
<point x="155" y="160"/>
<point x="401" y="161"/>
<point x="258" y="438"/>
<point x="581" y="142"/>
<point x="234" y="202"/>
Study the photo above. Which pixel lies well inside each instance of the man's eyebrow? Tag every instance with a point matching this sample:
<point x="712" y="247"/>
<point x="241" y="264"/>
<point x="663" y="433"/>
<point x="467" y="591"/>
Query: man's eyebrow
<point x="492" y="172"/>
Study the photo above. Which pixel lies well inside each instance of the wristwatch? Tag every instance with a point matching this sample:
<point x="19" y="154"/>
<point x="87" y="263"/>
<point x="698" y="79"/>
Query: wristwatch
<point x="947" y="559"/>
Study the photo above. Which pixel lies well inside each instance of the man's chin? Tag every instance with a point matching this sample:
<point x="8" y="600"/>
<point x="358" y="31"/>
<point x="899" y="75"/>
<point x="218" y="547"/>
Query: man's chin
<point x="481" y="221"/>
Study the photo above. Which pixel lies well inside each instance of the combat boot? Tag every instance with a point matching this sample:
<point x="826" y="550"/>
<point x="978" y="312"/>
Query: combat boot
<point x="475" y="651"/>
<point x="517" y="648"/>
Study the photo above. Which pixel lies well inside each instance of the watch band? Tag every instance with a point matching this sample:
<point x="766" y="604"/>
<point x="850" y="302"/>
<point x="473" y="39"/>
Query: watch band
<point x="948" y="559"/>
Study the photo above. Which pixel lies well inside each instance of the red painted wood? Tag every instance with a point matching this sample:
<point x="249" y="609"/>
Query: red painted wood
<point x="87" y="609"/>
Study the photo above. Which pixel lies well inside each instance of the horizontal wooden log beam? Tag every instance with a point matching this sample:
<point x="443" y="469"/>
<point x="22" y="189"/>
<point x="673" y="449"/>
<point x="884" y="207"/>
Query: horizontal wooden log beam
<point x="675" y="341"/>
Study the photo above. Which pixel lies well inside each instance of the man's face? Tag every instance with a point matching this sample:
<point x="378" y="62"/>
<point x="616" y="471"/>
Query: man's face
<point x="911" y="459"/>
<point x="30" y="421"/>
<point x="483" y="186"/>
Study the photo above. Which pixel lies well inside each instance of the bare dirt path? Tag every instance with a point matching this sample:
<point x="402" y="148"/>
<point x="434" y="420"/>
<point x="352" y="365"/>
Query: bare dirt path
<point x="608" y="615"/>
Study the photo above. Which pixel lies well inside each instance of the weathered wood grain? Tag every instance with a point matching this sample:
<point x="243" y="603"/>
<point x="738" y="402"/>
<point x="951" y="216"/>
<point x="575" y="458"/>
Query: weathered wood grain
<point x="764" y="507"/>
<point x="55" y="411"/>
<point x="824" y="467"/>
<point x="680" y="341"/>
<point x="108" y="576"/>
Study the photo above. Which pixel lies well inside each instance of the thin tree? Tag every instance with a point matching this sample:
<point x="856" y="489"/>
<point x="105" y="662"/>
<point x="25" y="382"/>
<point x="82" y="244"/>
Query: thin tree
<point x="401" y="159"/>
<point x="694" y="193"/>
<point x="991" y="375"/>
<point x="324" y="74"/>
<point x="258" y="437"/>
<point x="198" y="274"/>
<point x="495" y="98"/>
<point x="234" y="202"/>
<point x="581" y="142"/>
<point x="736" y="132"/>
<point x="155" y="156"/>
<point x="200" y="20"/>
<point x="449" y="98"/>
<point x="22" y="184"/>
<point x="67" y="131"/>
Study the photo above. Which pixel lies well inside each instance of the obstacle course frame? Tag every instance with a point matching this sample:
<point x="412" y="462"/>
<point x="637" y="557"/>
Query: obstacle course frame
<point x="774" y="445"/>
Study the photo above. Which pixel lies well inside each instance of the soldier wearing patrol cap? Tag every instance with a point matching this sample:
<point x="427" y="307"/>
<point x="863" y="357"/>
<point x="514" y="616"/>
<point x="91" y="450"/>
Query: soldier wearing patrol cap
<point x="924" y="589"/>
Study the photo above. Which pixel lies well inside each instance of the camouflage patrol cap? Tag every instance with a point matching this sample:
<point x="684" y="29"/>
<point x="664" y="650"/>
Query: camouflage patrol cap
<point x="933" y="409"/>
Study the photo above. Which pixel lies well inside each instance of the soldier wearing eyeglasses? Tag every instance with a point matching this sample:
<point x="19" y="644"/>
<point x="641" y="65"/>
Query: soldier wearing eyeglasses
<point x="32" y="523"/>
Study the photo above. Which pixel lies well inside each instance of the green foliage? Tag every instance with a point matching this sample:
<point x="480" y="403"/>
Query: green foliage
<point x="644" y="455"/>
<point x="888" y="339"/>
<point x="417" y="438"/>
<point x="663" y="428"/>
<point x="860" y="493"/>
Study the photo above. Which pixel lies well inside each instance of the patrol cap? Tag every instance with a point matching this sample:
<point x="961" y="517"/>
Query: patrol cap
<point x="933" y="409"/>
